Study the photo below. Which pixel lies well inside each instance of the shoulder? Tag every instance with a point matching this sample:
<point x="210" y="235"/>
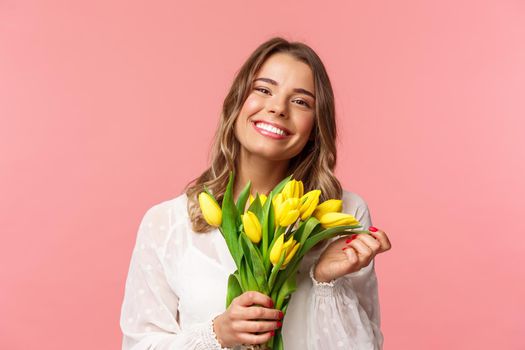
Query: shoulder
<point x="355" y="205"/>
<point x="174" y="206"/>
<point x="163" y="216"/>
<point x="352" y="201"/>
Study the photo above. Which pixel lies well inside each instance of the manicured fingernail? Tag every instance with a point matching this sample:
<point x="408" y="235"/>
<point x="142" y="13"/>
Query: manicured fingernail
<point x="351" y="238"/>
<point x="272" y="333"/>
<point x="372" y="228"/>
<point x="345" y="248"/>
<point x="279" y="324"/>
<point x="271" y="304"/>
<point x="281" y="315"/>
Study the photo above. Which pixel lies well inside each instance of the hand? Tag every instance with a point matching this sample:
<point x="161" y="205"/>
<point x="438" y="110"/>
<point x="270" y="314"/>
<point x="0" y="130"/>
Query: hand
<point x="244" y="318"/>
<point x="347" y="255"/>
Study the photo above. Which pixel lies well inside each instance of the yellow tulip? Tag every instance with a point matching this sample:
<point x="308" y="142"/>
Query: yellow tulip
<point x="277" y="200"/>
<point x="289" y="217"/>
<point x="338" y="219"/>
<point x="308" y="203"/>
<point x="293" y="189"/>
<point x="289" y="248"/>
<point x="252" y="226"/>
<point x="277" y="248"/>
<point x="329" y="206"/>
<point x="210" y="209"/>
<point x="290" y="254"/>
<point x="287" y="212"/>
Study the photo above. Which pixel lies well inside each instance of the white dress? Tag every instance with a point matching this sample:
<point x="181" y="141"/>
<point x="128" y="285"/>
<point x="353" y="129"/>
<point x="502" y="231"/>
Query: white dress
<point x="177" y="283"/>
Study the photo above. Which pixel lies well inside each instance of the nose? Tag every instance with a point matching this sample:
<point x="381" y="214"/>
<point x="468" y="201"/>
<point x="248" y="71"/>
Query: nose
<point x="277" y="107"/>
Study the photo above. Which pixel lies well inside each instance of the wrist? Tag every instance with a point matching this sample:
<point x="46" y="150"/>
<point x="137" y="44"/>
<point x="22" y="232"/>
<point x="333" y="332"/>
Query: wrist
<point x="216" y="331"/>
<point x="320" y="277"/>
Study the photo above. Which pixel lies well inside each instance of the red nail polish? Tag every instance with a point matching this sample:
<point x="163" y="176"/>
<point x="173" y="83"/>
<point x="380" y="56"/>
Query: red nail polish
<point x="279" y="324"/>
<point x="271" y="304"/>
<point x="281" y="315"/>
<point x="345" y="248"/>
<point x="272" y="333"/>
<point x="372" y="228"/>
<point x="351" y="238"/>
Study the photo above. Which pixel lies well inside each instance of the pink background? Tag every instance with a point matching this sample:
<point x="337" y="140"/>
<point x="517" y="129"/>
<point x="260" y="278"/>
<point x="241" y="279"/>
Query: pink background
<point x="109" y="107"/>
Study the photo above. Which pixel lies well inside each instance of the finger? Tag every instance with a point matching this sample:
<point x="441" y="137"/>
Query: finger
<point x="250" y="338"/>
<point x="253" y="297"/>
<point x="245" y="326"/>
<point x="364" y="253"/>
<point x="351" y="255"/>
<point x="257" y="313"/>
<point x="381" y="237"/>
<point x="371" y="242"/>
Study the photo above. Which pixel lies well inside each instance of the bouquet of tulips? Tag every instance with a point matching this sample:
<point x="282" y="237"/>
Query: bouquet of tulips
<point x="269" y="239"/>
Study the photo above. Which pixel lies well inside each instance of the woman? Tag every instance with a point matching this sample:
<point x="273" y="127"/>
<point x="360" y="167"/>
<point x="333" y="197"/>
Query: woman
<point x="277" y="119"/>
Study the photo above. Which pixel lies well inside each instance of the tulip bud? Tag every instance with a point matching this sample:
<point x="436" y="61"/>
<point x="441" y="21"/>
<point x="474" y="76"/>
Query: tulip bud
<point x="289" y="248"/>
<point x="329" y="206"/>
<point x="277" y="200"/>
<point x="252" y="226"/>
<point x="309" y="203"/>
<point x="290" y="253"/>
<point x="210" y="209"/>
<point x="293" y="189"/>
<point x="338" y="219"/>
<point x="275" y="253"/>
<point x="287" y="212"/>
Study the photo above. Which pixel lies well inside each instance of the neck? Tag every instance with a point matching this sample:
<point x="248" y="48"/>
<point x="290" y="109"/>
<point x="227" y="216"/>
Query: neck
<point x="264" y="174"/>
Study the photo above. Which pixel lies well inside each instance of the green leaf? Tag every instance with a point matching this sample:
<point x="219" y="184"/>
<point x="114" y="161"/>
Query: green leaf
<point x="286" y="290"/>
<point x="306" y="229"/>
<point x="275" y="270"/>
<point x="255" y="263"/>
<point x="325" y="234"/>
<point x="247" y="278"/>
<point x="230" y="222"/>
<point x="267" y="226"/>
<point x="281" y="185"/>
<point x="243" y="197"/>
<point x="290" y="270"/>
<point x="234" y="288"/>
<point x="276" y="342"/>
<point x="256" y="208"/>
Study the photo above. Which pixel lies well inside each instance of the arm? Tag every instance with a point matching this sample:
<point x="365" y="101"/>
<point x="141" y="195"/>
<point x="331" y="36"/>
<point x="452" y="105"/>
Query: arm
<point x="344" y="313"/>
<point x="149" y="310"/>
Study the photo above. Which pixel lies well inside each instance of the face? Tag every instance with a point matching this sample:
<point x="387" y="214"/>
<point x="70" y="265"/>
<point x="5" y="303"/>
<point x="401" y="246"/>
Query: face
<point x="277" y="118"/>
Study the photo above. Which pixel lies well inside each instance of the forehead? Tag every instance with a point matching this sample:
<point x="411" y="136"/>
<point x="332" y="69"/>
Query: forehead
<point x="287" y="70"/>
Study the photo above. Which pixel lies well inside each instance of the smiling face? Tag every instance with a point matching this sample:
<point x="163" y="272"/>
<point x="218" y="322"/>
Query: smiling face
<point x="277" y="118"/>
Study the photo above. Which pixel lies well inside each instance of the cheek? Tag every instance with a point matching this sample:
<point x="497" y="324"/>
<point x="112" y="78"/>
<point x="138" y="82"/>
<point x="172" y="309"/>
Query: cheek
<point x="251" y="105"/>
<point x="305" y="125"/>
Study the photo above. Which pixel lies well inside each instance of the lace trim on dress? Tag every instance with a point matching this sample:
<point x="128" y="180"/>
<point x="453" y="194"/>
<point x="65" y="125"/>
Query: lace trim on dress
<point x="324" y="289"/>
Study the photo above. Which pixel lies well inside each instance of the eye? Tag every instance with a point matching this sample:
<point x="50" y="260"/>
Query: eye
<point x="263" y="90"/>
<point x="303" y="103"/>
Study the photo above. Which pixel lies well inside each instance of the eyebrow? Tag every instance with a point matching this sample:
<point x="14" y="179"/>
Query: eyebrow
<point x="298" y="90"/>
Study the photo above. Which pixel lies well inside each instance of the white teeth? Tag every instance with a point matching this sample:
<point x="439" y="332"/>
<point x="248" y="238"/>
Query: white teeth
<point x="270" y="128"/>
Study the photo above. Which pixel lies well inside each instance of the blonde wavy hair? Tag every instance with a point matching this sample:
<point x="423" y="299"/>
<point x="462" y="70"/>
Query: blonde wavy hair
<point x="314" y="165"/>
